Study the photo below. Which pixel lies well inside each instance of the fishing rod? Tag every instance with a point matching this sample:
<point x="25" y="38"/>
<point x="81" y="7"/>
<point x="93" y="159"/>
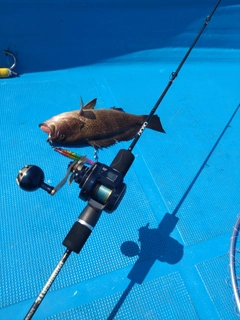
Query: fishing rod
<point x="173" y="77"/>
<point x="101" y="186"/>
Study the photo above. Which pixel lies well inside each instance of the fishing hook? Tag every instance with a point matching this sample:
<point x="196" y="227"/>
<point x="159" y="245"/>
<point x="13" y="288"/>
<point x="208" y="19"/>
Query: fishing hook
<point x="8" y="72"/>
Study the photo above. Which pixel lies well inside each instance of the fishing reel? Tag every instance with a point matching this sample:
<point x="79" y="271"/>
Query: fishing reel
<point x="99" y="183"/>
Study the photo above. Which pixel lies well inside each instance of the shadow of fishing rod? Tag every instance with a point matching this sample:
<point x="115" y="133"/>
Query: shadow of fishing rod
<point x="204" y="163"/>
<point x="157" y="244"/>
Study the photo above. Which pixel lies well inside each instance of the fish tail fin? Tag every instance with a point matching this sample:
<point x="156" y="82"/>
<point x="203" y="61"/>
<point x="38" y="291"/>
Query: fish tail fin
<point x="155" y="124"/>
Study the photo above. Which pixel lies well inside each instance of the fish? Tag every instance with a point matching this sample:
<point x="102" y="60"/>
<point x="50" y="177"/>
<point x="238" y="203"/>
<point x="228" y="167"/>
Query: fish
<point x="99" y="128"/>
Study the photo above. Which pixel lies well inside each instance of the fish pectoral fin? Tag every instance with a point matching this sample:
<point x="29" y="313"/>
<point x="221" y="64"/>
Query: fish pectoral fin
<point x="117" y="109"/>
<point x="91" y="104"/>
<point x="102" y="143"/>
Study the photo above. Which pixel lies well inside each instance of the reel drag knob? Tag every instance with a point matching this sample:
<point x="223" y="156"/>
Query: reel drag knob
<point x="31" y="178"/>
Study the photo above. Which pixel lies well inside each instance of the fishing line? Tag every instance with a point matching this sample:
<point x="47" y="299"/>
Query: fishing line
<point x="173" y="77"/>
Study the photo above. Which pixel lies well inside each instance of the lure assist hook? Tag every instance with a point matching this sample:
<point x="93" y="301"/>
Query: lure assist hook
<point x="101" y="186"/>
<point x="8" y="72"/>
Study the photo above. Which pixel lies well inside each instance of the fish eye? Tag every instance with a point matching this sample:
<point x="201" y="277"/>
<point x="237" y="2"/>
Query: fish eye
<point x="61" y="136"/>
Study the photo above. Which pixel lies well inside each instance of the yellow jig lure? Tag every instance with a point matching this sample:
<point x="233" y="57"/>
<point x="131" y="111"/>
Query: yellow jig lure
<point x="8" y="72"/>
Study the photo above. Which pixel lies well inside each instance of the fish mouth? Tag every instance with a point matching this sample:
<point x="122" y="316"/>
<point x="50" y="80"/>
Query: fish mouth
<point x="45" y="128"/>
<point x="49" y="129"/>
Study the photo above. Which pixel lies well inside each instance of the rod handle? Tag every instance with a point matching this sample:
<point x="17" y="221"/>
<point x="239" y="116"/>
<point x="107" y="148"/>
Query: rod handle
<point x="123" y="161"/>
<point x="82" y="228"/>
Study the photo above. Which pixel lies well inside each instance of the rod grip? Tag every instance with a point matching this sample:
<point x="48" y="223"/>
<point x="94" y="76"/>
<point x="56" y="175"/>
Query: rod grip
<point x="123" y="161"/>
<point x="81" y="229"/>
<point x="76" y="237"/>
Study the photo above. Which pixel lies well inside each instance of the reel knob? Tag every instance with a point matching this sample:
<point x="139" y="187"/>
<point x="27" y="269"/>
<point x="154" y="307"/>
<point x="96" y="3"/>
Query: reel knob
<point x="31" y="178"/>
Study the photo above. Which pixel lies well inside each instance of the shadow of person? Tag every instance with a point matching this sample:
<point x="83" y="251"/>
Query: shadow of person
<point x="155" y="244"/>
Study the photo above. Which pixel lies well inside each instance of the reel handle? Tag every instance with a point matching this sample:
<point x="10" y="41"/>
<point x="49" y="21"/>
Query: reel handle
<point x="31" y="177"/>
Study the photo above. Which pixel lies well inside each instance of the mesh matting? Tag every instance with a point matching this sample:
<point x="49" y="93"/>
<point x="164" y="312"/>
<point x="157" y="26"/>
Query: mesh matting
<point x="163" y="253"/>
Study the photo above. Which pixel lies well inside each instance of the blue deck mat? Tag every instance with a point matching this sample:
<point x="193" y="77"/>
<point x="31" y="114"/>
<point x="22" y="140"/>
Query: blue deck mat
<point x="182" y="195"/>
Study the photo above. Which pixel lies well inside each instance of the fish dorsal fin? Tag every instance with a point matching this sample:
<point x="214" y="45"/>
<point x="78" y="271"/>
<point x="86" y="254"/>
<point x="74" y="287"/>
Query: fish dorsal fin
<point x="117" y="109"/>
<point x="81" y="106"/>
<point x="90" y="105"/>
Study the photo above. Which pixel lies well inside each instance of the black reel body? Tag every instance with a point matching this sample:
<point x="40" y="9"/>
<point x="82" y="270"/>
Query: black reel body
<point x="100" y="183"/>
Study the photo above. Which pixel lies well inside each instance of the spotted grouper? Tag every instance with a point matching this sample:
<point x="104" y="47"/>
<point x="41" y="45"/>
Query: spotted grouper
<point x="99" y="128"/>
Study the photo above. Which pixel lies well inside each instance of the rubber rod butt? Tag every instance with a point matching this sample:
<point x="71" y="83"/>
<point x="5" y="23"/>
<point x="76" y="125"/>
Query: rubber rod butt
<point x="81" y="230"/>
<point x="76" y="237"/>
